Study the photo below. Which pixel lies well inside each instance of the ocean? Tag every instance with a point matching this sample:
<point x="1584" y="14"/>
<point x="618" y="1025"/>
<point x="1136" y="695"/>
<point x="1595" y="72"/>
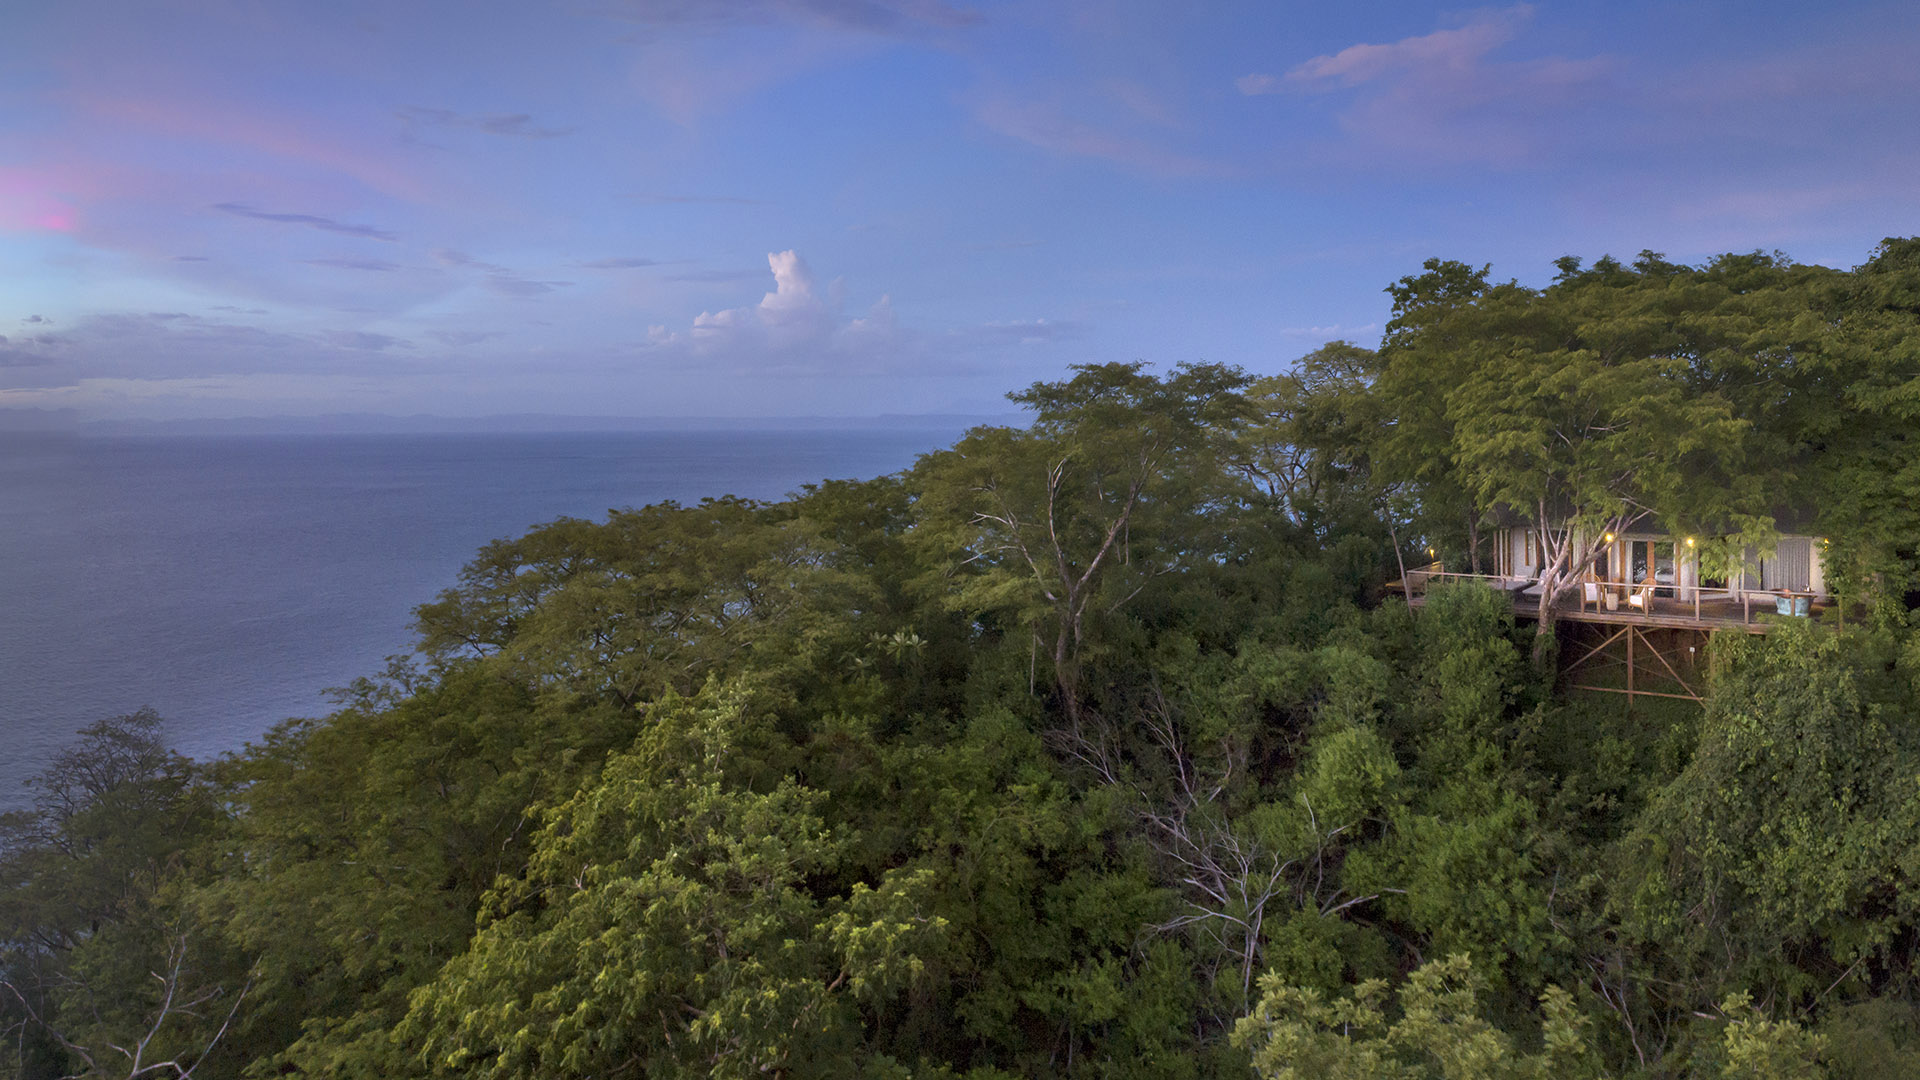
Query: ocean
<point x="230" y="581"/>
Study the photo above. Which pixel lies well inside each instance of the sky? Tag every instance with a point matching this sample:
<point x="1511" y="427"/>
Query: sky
<point x="769" y="208"/>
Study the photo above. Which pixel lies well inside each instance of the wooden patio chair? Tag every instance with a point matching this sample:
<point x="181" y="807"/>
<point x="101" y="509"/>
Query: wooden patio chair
<point x="1642" y="597"/>
<point x="1589" y="594"/>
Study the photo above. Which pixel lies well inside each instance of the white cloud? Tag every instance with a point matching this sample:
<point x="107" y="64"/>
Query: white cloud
<point x="801" y="329"/>
<point x="797" y="328"/>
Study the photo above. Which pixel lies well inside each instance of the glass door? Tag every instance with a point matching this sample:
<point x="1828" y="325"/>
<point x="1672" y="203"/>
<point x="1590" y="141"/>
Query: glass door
<point x="1652" y="559"/>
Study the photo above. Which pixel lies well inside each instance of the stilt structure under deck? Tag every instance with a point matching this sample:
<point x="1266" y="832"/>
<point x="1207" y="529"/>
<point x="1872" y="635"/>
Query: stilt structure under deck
<point x="1649" y="661"/>
<point x="1642" y="643"/>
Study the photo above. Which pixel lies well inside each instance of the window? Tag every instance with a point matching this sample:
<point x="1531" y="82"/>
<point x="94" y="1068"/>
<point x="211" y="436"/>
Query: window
<point x="1792" y="564"/>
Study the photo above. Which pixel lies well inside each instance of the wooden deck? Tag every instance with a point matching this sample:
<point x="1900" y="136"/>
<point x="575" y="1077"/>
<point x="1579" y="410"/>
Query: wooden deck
<point x="1655" y="653"/>
<point x="1756" y="617"/>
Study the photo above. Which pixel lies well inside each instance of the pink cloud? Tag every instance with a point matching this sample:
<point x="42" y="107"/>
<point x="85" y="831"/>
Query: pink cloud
<point x="1443" y="96"/>
<point x="35" y="201"/>
<point x="289" y="137"/>
<point x="1460" y="50"/>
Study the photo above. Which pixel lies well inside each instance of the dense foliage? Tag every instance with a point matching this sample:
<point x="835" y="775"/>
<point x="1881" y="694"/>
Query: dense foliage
<point x="1087" y="749"/>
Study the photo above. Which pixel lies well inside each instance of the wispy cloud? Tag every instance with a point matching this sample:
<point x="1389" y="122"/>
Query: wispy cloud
<point x="375" y="265"/>
<point x="313" y="221"/>
<point x="37" y="351"/>
<point x="450" y="257"/>
<point x="173" y="344"/>
<point x="1459" y="50"/>
<point x="1021" y="332"/>
<point x="674" y="200"/>
<point x="499" y="280"/>
<point x="1443" y="95"/>
<point x="255" y="125"/>
<point x="1332" y="332"/>
<point x="364" y="341"/>
<point x="520" y="287"/>
<point x="207" y="394"/>
<point x="1052" y="128"/>
<point x="462" y="338"/>
<point x="630" y="263"/>
<point x="716" y="277"/>
<point x="514" y="125"/>
<point x="889" y="17"/>
<point x="694" y="58"/>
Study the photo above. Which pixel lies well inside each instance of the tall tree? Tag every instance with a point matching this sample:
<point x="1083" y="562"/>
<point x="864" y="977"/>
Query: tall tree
<point x="103" y="967"/>
<point x="1071" y="518"/>
<point x="1311" y="436"/>
<point x="1426" y="351"/>
<point x="1856" y="430"/>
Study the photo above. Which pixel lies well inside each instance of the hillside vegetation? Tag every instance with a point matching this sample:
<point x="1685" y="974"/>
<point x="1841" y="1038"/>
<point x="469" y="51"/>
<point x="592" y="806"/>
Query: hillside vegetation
<point x="1088" y="749"/>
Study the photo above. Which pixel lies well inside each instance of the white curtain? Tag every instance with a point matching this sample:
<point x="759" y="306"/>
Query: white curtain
<point x="1792" y="564"/>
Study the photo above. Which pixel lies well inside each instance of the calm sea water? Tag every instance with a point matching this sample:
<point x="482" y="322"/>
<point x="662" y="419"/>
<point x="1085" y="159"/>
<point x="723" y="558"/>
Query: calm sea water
<point x="229" y="581"/>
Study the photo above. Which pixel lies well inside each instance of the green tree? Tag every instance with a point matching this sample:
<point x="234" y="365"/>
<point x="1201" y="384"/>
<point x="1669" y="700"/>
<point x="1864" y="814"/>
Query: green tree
<point x="1571" y="409"/>
<point x="1852" y="425"/>
<point x="1296" y="1033"/>
<point x="104" y="970"/>
<point x="1425" y="353"/>
<point x="1310" y="439"/>
<point x="1782" y="857"/>
<point x="1064" y="523"/>
<point x="670" y="922"/>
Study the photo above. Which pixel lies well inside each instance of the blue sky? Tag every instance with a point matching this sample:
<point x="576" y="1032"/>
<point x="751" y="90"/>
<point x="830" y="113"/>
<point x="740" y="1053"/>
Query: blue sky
<point x="852" y="207"/>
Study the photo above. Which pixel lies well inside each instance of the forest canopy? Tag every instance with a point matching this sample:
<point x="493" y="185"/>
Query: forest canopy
<point x="1097" y="747"/>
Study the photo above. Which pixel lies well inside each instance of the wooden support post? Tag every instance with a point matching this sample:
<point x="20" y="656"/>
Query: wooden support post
<point x="1631" y="634"/>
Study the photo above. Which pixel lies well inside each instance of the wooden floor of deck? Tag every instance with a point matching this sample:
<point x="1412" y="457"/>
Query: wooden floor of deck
<point x="1666" y="612"/>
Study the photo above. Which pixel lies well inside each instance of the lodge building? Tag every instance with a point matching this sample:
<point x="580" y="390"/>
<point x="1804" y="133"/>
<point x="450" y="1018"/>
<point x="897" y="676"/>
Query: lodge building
<point x="1638" y="617"/>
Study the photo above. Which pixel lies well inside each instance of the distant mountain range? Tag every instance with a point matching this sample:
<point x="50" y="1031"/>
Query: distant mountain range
<point x="45" y="420"/>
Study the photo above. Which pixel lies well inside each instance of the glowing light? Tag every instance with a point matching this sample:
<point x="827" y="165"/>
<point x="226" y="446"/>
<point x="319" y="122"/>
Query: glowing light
<point x="1609" y="538"/>
<point x="1689" y="541"/>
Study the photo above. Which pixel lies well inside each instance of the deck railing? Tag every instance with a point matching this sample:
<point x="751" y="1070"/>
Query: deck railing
<point x="1705" y="604"/>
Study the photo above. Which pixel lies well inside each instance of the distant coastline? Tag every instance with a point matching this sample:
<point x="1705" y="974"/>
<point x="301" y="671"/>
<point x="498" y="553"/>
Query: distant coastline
<point x="66" y="421"/>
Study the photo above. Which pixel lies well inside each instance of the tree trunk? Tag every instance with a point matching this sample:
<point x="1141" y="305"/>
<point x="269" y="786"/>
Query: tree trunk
<point x="1394" y="534"/>
<point x="1064" y="677"/>
<point x="1473" y="542"/>
<point x="1543" y="626"/>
